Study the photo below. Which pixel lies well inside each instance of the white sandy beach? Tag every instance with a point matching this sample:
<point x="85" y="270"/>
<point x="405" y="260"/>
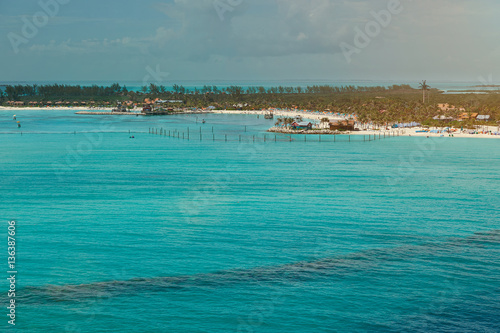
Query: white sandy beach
<point x="401" y="131"/>
<point x="282" y="113"/>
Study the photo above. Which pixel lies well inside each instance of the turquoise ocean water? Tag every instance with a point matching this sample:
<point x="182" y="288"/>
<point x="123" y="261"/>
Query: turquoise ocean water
<point x="160" y="234"/>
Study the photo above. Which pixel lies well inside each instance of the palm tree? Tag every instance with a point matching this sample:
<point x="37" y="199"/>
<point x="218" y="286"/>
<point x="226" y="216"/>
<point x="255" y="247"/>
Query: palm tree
<point x="288" y="121"/>
<point x="424" y="86"/>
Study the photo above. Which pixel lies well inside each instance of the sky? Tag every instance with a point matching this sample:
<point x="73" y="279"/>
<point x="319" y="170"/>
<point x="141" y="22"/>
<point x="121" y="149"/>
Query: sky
<point x="151" y="40"/>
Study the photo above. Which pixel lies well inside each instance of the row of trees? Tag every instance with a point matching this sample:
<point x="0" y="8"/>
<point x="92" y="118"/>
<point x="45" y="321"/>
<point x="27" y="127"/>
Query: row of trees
<point x="60" y="91"/>
<point x="237" y="90"/>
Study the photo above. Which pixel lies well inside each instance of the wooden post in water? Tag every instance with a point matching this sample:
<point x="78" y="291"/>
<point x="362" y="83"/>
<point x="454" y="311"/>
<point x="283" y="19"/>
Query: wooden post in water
<point x="225" y="137"/>
<point x="253" y="138"/>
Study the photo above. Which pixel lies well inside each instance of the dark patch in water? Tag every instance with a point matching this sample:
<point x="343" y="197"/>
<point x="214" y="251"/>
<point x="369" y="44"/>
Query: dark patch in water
<point x="289" y="273"/>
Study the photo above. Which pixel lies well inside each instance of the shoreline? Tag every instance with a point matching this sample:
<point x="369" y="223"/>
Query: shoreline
<point x="109" y="113"/>
<point x="55" y="108"/>
<point x="402" y="131"/>
<point x="387" y="133"/>
<point x="285" y="113"/>
<point x="281" y="113"/>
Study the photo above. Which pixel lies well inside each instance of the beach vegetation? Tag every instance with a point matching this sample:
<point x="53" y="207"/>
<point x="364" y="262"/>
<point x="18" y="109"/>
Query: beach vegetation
<point x="378" y="105"/>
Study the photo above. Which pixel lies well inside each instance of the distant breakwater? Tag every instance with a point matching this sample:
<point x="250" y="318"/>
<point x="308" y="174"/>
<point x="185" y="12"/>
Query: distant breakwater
<point x="366" y="136"/>
<point x="323" y="131"/>
<point x="90" y="113"/>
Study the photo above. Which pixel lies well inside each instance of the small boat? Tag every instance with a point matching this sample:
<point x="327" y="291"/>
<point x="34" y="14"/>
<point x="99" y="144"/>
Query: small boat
<point x="269" y="115"/>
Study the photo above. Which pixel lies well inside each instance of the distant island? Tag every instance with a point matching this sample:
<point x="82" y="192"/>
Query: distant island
<point x="372" y="105"/>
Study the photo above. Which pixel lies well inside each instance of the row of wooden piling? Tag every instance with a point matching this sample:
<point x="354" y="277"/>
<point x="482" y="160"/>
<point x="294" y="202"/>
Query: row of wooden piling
<point x="199" y="135"/>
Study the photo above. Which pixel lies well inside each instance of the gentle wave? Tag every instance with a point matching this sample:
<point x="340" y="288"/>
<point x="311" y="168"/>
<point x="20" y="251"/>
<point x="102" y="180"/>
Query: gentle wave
<point x="286" y="274"/>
